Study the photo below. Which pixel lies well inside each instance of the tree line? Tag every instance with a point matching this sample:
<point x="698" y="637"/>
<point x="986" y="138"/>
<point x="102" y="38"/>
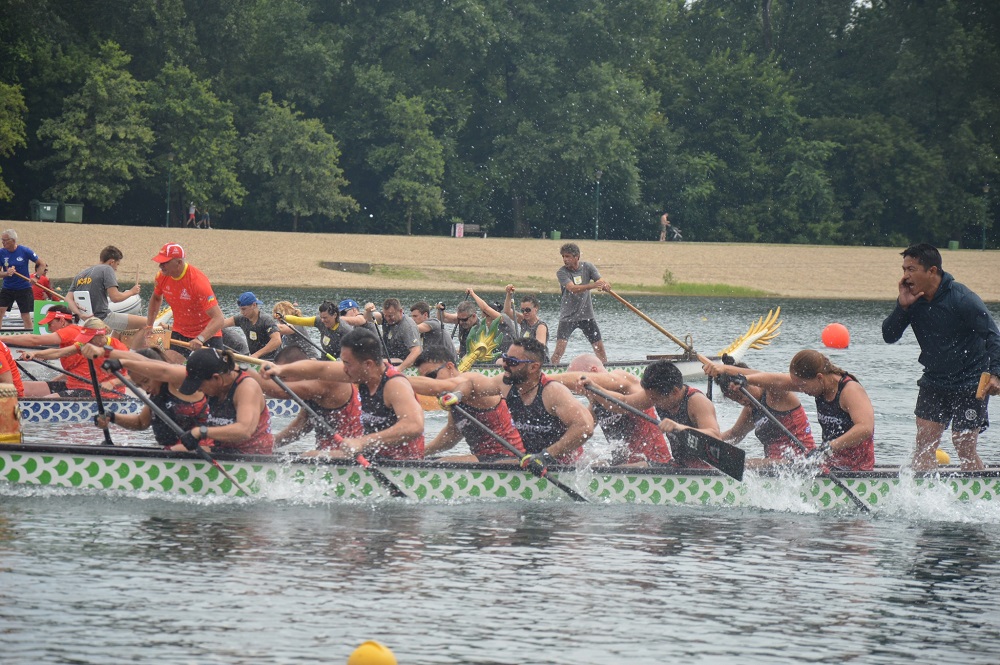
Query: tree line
<point x="747" y="120"/>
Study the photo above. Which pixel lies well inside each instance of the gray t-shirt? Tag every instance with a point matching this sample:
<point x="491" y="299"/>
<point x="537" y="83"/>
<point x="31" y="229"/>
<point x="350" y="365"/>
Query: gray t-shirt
<point x="96" y="281"/>
<point x="509" y="331"/>
<point x="401" y="337"/>
<point x="258" y="334"/>
<point x="435" y="337"/>
<point x="577" y="306"/>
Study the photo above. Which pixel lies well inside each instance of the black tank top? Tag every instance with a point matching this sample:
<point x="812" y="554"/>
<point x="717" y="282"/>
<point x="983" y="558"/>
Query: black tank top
<point x="539" y="429"/>
<point x="186" y="414"/>
<point x="682" y="454"/>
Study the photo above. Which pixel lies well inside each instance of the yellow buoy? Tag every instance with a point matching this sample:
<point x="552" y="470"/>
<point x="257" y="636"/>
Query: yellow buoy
<point x="943" y="458"/>
<point x="372" y="653"/>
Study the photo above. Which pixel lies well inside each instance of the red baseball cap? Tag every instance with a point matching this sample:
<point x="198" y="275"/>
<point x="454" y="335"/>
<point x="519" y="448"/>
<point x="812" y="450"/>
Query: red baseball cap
<point x="169" y="251"/>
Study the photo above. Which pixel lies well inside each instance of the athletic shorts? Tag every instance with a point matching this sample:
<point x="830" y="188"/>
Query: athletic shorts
<point x="960" y="408"/>
<point x="587" y="326"/>
<point x="25" y="299"/>
<point x="117" y="321"/>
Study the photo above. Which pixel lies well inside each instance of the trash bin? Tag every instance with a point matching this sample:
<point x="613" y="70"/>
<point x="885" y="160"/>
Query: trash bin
<point x="557" y="235"/>
<point x="71" y="212"/>
<point x="44" y="212"/>
<point x="952" y="244"/>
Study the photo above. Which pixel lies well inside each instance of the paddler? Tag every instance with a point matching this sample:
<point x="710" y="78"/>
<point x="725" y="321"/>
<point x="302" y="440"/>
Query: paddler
<point x="399" y="333"/>
<point x="637" y="442"/>
<point x="70" y="339"/>
<point x="438" y="374"/>
<point x="391" y="416"/>
<point x="238" y="420"/>
<point x="332" y="329"/>
<point x="529" y="325"/>
<point x="676" y="404"/>
<point x="198" y="319"/>
<point x="261" y="331"/>
<point x="188" y="411"/>
<point x="959" y="342"/>
<point x="845" y="412"/>
<point x="93" y="290"/>
<point x="465" y="316"/>
<point x="552" y="423"/>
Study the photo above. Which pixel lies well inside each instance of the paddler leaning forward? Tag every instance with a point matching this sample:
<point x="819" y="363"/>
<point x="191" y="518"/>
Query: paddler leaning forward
<point x="553" y="424"/>
<point x="391" y="416"/>
<point x="678" y="406"/>
<point x="238" y="419"/>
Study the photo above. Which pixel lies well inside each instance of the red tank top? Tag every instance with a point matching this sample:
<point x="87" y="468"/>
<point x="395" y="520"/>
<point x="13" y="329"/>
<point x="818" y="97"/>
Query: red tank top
<point x="345" y="420"/>
<point x="835" y="421"/>
<point x="642" y="441"/>
<point x="683" y="456"/>
<point x="222" y="411"/>
<point x="377" y="416"/>
<point x="777" y="445"/>
<point x="497" y="419"/>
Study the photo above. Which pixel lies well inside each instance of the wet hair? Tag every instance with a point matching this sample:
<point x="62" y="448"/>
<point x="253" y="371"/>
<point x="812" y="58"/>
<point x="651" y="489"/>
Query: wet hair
<point x="392" y="303"/>
<point x="433" y="354"/>
<point x="726" y="381"/>
<point x="532" y="347"/>
<point x="806" y="364"/>
<point x="662" y="377"/>
<point x="927" y="255"/>
<point x="290" y="354"/>
<point x="286" y="308"/>
<point x="111" y="253"/>
<point x="570" y="248"/>
<point x="466" y="307"/>
<point x="329" y="307"/>
<point x="422" y="307"/>
<point x="532" y="299"/>
<point x="364" y="345"/>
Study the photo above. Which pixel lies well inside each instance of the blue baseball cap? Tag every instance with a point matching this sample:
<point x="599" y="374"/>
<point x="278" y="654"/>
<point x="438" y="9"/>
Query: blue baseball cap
<point x="247" y="299"/>
<point x="348" y="304"/>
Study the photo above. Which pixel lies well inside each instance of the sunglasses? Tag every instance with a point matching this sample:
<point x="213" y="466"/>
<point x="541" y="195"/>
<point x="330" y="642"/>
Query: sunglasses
<point x="343" y="312"/>
<point x="434" y="374"/>
<point x="510" y="360"/>
<point x="464" y="319"/>
<point x="526" y="310"/>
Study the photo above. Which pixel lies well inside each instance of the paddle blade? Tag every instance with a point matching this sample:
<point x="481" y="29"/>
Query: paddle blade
<point x="725" y="457"/>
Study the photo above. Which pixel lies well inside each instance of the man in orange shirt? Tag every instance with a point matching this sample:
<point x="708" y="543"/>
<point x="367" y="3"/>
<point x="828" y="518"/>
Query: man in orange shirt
<point x="198" y="319"/>
<point x="70" y="338"/>
<point x="9" y="373"/>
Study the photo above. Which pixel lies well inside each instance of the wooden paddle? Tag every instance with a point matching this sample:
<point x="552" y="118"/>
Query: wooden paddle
<point x="362" y="461"/>
<point x="984" y="383"/>
<point x="78" y="377"/>
<point x="178" y="430"/>
<point x="43" y="288"/>
<point x="307" y="339"/>
<point x="100" y="402"/>
<point x="673" y="338"/>
<point x="239" y="356"/>
<point x="541" y="473"/>
<point x="725" y="457"/>
<point x="780" y="425"/>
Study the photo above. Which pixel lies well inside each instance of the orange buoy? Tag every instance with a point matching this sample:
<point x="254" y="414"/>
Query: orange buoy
<point x="836" y="336"/>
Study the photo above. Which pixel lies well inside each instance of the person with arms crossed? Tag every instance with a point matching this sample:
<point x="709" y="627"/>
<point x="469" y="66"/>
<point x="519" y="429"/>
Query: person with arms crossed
<point x="576" y="280"/>
<point x="92" y="291"/>
<point x="17" y="280"/>
<point x="959" y="341"/>
<point x="198" y="318"/>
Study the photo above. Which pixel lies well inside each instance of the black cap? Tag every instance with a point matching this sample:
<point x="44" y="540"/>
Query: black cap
<point x="202" y="365"/>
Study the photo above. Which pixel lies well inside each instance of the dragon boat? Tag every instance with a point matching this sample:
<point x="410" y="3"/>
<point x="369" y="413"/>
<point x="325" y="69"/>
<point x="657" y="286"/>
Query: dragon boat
<point x="153" y="471"/>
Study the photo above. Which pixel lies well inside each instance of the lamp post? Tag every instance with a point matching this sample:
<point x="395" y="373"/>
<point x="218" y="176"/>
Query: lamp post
<point x="986" y="212"/>
<point x="597" y="210"/>
<point x="170" y="170"/>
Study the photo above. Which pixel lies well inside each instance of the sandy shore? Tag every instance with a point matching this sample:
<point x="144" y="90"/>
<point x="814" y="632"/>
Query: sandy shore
<point x="255" y="258"/>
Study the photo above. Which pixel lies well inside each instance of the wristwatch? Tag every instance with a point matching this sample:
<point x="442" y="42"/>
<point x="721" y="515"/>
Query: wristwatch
<point x="200" y="338"/>
<point x="202" y="432"/>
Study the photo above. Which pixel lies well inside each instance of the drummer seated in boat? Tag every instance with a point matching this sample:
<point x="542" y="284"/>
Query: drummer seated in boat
<point x="238" y="418"/>
<point x="676" y="404"/>
<point x="92" y="292"/>
<point x="70" y="339"/>
<point x="438" y="374"/>
<point x="391" y="416"/>
<point x="637" y="442"/>
<point x="783" y="405"/>
<point x="188" y="411"/>
<point x="845" y="412"/>
<point x="552" y="423"/>
<point x="335" y="401"/>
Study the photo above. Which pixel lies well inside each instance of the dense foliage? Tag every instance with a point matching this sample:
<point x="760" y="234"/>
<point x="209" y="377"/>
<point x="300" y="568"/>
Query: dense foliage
<point x="748" y="120"/>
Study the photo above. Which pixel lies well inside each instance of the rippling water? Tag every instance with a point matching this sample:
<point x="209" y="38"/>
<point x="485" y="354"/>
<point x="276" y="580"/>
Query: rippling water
<point x="98" y="578"/>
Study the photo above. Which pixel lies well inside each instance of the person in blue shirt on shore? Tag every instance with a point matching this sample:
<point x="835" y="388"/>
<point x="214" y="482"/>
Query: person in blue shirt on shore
<point x="17" y="280"/>
<point x="959" y="341"/>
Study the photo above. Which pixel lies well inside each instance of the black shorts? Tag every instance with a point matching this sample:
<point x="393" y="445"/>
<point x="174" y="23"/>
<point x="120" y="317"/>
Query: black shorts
<point x="959" y="408"/>
<point x="587" y="326"/>
<point x="25" y="299"/>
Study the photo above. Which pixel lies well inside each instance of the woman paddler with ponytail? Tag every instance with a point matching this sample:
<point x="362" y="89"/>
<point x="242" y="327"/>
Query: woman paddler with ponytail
<point x="238" y="419"/>
<point x="188" y="411"/>
<point x="845" y="412"/>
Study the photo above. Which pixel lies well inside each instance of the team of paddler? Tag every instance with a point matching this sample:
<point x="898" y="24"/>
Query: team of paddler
<point x="371" y="411"/>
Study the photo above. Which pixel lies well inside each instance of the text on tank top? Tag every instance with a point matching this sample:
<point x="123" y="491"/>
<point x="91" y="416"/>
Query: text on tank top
<point x="539" y="429"/>
<point x="834" y="422"/>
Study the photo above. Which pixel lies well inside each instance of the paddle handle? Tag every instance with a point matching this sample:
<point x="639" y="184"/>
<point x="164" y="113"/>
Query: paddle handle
<point x="43" y="288"/>
<point x="239" y="356"/>
<point x="100" y="402"/>
<point x="984" y="383"/>
<point x="309" y="341"/>
<point x="673" y="338"/>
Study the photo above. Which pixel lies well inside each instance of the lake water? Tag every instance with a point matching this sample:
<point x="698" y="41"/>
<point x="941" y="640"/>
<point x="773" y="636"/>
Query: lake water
<point x="109" y="578"/>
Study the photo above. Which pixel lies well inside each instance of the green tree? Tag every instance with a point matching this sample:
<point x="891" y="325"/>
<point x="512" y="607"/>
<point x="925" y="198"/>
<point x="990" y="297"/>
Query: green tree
<point x="12" y="136"/>
<point x="100" y="142"/>
<point x="298" y="161"/>
<point x="196" y="130"/>
<point x="414" y="161"/>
